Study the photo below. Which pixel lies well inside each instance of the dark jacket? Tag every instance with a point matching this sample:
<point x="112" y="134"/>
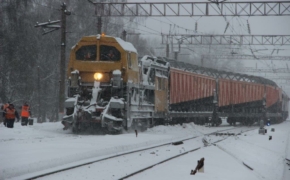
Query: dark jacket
<point x="8" y="109"/>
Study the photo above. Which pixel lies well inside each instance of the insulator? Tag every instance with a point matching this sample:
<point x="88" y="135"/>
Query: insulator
<point x="227" y="27"/>
<point x="195" y="26"/>
<point x="249" y="30"/>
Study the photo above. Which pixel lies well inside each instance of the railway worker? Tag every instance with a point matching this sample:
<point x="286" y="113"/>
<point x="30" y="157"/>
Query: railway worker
<point x="111" y="55"/>
<point x="88" y="56"/>
<point x="25" y="113"/>
<point x="10" y="114"/>
<point x="4" y="106"/>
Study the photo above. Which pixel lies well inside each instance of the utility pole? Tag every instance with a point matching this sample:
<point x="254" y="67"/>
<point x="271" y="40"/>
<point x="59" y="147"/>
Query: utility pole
<point x="167" y="50"/>
<point x="51" y="25"/>
<point x="98" y="9"/>
<point x="176" y="55"/>
<point x="64" y="12"/>
<point x="38" y="86"/>
<point x="124" y="35"/>
<point x="99" y="25"/>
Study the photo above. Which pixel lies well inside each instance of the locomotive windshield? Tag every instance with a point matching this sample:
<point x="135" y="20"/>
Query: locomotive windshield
<point x="109" y="53"/>
<point x="87" y="53"/>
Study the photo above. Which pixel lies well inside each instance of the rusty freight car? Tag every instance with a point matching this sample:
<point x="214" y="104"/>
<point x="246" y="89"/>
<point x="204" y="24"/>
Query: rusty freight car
<point x="191" y="92"/>
<point x="215" y="94"/>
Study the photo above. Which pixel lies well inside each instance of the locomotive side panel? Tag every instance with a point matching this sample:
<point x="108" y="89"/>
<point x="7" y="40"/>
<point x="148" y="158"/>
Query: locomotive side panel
<point x="272" y="96"/>
<point x="161" y="86"/>
<point x="132" y="67"/>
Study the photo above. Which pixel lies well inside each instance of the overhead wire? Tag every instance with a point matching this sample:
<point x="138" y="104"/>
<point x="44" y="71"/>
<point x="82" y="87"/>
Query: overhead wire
<point x="156" y="31"/>
<point x="241" y="24"/>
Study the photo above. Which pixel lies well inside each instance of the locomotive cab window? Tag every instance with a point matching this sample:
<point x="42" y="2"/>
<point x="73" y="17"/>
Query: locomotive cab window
<point x="109" y="53"/>
<point x="87" y="53"/>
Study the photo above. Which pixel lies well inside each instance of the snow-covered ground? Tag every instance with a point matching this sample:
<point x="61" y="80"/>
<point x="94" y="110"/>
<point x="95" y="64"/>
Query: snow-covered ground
<point x="25" y="151"/>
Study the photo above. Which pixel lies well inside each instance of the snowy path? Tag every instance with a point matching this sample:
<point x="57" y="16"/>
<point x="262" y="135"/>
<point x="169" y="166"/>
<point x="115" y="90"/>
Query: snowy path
<point x="121" y="166"/>
<point x="43" y="146"/>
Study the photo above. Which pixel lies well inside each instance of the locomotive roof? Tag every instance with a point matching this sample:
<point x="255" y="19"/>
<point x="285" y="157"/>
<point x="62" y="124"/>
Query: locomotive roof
<point x="127" y="46"/>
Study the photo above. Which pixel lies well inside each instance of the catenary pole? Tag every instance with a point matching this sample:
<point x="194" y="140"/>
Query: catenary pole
<point x="64" y="12"/>
<point x="38" y="86"/>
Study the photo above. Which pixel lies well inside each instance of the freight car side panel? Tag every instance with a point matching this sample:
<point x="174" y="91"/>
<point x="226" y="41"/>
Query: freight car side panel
<point x="188" y="86"/>
<point x="237" y="92"/>
<point x="272" y="95"/>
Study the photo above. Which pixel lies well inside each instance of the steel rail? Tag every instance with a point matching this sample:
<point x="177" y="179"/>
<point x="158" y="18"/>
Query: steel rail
<point x="35" y="175"/>
<point x="102" y="159"/>
<point x="168" y="159"/>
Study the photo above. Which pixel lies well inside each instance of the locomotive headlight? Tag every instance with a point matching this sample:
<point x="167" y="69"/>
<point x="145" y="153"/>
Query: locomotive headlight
<point x="98" y="76"/>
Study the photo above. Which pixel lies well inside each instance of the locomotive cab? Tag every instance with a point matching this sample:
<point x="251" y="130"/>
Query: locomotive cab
<point x="96" y="57"/>
<point x="99" y="69"/>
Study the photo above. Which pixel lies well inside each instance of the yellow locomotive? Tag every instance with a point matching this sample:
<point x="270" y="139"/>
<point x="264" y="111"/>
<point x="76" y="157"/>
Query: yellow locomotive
<point x="103" y="75"/>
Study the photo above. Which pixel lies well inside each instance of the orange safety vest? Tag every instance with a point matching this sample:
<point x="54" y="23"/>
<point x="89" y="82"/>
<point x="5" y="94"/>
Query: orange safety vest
<point x="25" y="111"/>
<point x="10" y="113"/>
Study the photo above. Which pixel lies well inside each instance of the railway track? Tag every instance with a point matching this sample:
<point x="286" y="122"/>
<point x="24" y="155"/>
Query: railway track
<point x="48" y="173"/>
<point x="176" y="156"/>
